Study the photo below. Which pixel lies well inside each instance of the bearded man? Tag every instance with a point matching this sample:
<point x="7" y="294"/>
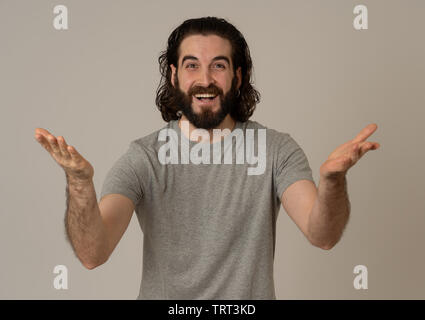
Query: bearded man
<point x="209" y="228"/>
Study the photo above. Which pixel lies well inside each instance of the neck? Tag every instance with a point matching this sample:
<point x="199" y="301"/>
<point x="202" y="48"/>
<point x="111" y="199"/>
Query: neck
<point x="227" y="123"/>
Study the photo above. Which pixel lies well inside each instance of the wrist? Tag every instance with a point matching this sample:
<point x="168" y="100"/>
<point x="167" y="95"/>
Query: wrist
<point x="77" y="182"/>
<point x="334" y="178"/>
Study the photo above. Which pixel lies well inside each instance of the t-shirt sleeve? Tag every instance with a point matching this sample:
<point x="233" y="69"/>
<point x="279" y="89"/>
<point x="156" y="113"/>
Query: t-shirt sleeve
<point x="291" y="164"/>
<point x="122" y="179"/>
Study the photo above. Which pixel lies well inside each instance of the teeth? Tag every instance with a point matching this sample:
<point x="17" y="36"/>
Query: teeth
<point x="205" y="96"/>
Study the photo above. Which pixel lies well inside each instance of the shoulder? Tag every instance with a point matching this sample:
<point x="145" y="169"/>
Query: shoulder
<point x="280" y="144"/>
<point x="143" y="151"/>
<point x="149" y="143"/>
<point x="274" y="136"/>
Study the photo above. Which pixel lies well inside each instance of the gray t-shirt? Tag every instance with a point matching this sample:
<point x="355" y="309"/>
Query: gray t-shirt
<point x="209" y="229"/>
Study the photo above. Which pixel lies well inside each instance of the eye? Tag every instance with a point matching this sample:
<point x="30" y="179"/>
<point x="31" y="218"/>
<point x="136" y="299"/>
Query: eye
<point x="220" y="66"/>
<point x="190" y="65"/>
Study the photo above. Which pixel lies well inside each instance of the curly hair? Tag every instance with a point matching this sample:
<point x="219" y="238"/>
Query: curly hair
<point x="248" y="97"/>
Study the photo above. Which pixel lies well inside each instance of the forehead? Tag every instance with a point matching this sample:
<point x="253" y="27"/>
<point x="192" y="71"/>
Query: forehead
<point x="205" y="47"/>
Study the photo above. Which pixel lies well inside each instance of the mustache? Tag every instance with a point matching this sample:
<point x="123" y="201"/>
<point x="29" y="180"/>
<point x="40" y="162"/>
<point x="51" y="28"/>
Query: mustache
<point x="211" y="89"/>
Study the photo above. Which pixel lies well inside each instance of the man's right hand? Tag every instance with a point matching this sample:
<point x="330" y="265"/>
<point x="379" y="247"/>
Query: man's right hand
<point x="75" y="165"/>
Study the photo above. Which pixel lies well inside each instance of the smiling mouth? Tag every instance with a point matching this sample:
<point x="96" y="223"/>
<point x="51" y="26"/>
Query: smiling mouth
<point x="205" y="97"/>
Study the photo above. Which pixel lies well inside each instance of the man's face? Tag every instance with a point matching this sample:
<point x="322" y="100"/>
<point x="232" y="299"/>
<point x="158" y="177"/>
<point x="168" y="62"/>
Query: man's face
<point x="205" y="68"/>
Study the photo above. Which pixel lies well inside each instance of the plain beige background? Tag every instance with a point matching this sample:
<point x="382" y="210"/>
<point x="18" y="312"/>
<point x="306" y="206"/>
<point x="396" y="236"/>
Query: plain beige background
<point x="321" y="81"/>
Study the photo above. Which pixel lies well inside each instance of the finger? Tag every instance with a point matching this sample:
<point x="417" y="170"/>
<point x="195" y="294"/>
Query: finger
<point x="54" y="144"/>
<point x="42" y="132"/>
<point x="376" y="146"/>
<point x="367" y="146"/>
<point x="366" y="133"/>
<point x="41" y="135"/>
<point x="75" y="155"/>
<point x="43" y="141"/>
<point x="355" y="154"/>
<point x="63" y="147"/>
<point x="51" y="140"/>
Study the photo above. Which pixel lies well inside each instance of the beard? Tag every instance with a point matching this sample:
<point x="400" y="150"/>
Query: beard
<point x="206" y="119"/>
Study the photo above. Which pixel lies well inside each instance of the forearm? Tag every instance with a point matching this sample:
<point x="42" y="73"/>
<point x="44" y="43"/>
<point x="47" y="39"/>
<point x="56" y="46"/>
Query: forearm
<point x="83" y="223"/>
<point x="330" y="213"/>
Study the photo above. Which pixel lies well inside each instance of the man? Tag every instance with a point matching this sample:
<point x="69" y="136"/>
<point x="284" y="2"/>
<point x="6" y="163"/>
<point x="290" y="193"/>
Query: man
<point x="209" y="226"/>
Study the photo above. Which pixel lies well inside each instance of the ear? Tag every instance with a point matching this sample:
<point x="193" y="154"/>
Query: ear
<point x="173" y="72"/>
<point x="239" y="76"/>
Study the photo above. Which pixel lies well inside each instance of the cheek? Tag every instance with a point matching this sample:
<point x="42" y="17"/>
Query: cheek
<point x="225" y="82"/>
<point x="226" y="86"/>
<point x="185" y="84"/>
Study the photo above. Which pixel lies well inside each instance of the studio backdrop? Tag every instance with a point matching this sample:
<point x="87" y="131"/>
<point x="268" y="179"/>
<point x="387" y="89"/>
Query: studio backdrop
<point x="88" y="71"/>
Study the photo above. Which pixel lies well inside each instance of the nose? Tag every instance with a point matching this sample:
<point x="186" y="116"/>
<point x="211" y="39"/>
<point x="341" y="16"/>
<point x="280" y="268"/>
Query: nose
<point x="205" y="78"/>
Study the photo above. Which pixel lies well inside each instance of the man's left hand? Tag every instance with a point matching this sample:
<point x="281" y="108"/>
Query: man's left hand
<point x="347" y="154"/>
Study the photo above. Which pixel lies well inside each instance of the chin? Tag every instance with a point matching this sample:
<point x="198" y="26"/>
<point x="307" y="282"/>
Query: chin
<point x="199" y="109"/>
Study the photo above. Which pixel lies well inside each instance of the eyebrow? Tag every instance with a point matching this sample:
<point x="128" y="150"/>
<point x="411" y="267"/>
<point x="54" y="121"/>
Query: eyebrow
<point x="188" y="57"/>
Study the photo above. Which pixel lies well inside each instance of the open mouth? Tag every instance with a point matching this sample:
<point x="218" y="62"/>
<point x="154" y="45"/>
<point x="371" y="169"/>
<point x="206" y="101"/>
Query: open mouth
<point x="205" y="97"/>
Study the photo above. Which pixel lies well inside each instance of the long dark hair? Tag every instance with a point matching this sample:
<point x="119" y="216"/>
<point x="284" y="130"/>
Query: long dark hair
<point x="248" y="97"/>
